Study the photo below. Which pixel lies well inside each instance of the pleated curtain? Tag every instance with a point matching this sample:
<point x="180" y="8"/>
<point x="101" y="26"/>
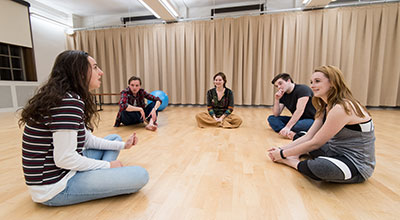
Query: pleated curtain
<point x="181" y="59"/>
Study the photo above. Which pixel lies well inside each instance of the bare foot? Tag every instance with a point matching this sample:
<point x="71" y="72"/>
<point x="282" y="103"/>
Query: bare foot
<point x="151" y="127"/>
<point x="291" y="161"/>
<point x="290" y="135"/>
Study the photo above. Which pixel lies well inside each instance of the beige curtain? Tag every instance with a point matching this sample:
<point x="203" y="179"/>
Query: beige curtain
<point x="181" y="59"/>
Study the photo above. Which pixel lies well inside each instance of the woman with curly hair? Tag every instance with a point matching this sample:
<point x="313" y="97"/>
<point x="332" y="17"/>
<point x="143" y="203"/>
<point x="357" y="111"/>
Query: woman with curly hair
<point x="63" y="162"/>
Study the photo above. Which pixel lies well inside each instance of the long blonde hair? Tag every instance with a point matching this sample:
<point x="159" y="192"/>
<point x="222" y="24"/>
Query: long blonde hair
<point x="339" y="93"/>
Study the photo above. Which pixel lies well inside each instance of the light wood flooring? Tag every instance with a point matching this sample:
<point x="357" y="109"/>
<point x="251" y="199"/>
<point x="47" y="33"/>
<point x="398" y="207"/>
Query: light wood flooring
<point x="214" y="173"/>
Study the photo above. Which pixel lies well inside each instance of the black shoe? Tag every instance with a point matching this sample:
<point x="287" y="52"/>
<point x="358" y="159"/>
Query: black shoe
<point x="299" y="134"/>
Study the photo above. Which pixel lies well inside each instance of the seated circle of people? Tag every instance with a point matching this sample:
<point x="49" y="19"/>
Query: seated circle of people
<point x="297" y="99"/>
<point x="341" y="141"/>
<point x="132" y="106"/>
<point x="62" y="160"/>
<point x="220" y="106"/>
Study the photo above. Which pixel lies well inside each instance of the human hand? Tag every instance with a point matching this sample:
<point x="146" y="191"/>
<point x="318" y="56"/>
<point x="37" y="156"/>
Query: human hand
<point x="215" y="117"/>
<point x="284" y="131"/>
<point x="115" y="164"/>
<point x="279" y="94"/>
<point x="132" y="140"/>
<point x="274" y="154"/>
<point x="143" y="116"/>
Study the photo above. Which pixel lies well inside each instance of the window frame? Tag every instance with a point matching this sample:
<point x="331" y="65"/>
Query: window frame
<point x="28" y="71"/>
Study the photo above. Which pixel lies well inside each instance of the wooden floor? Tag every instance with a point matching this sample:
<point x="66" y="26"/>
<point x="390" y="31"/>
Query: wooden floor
<point x="214" y="173"/>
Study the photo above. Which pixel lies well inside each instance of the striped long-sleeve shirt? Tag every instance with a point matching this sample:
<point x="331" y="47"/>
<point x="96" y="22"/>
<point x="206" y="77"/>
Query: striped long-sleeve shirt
<point x="37" y="141"/>
<point x="220" y="107"/>
<point x="52" y="149"/>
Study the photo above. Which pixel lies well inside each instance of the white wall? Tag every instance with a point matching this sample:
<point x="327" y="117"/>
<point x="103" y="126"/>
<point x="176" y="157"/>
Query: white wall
<point x="48" y="42"/>
<point x="14" y="94"/>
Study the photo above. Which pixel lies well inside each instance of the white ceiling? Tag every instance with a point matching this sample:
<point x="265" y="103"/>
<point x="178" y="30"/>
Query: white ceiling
<point x="97" y="13"/>
<point x="86" y="8"/>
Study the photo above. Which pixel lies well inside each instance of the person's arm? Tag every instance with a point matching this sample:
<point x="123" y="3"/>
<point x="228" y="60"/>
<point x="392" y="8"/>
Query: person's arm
<point x="153" y="112"/>
<point x="278" y="107"/>
<point x="123" y="101"/>
<point x="124" y="105"/>
<point x="131" y="108"/>
<point x="93" y="142"/>
<point x="66" y="156"/>
<point x="335" y="121"/>
<point x="157" y="105"/>
<point x="229" y="108"/>
<point x="310" y="134"/>
<point x="210" y="108"/>
<point x="153" y="98"/>
<point x="300" y="107"/>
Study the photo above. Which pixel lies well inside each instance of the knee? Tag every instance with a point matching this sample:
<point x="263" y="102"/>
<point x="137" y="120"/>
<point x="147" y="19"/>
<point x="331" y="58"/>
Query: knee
<point x="239" y="120"/>
<point x="152" y="104"/>
<point x="124" y="114"/>
<point x="113" y="137"/>
<point x="271" y="119"/>
<point x="140" y="177"/>
<point x="303" y="168"/>
<point x="199" y="116"/>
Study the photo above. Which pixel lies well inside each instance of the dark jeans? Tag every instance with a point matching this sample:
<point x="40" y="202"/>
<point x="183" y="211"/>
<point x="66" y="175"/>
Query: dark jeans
<point x="130" y="118"/>
<point x="277" y="123"/>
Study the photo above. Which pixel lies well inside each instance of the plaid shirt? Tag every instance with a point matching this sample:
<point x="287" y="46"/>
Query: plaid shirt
<point x="127" y="98"/>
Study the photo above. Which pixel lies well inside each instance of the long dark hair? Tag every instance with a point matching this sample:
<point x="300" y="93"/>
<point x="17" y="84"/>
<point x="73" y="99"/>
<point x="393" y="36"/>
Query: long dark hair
<point x="71" y="73"/>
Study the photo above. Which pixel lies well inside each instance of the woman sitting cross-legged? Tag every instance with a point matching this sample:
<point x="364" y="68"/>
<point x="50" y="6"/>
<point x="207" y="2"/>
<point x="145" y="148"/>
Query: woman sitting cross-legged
<point x="220" y="106"/>
<point x="63" y="162"/>
<point x="341" y="142"/>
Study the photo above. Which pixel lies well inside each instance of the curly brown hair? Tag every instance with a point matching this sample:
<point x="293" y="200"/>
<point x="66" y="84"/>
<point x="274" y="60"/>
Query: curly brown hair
<point x="71" y="73"/>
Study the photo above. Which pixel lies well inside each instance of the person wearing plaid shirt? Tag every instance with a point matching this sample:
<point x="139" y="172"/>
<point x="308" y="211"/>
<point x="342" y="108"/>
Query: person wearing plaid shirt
<point x="133" y="109"/>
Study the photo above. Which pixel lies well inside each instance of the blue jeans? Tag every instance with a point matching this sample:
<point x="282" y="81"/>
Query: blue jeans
<point x="96" y="184"/>
<point x="131" y="118"/>
<point x="277" y="123"/>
